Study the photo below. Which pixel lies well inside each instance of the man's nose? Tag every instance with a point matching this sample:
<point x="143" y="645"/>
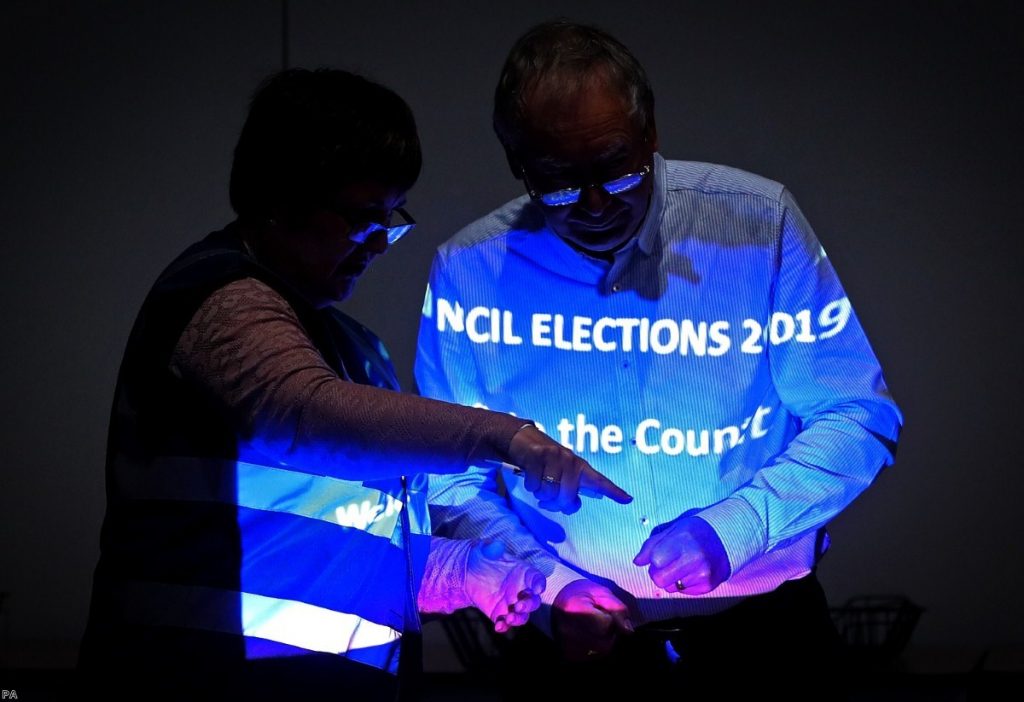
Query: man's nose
<point x="593" y="199"/>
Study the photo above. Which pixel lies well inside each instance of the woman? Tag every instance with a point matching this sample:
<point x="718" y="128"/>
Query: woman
<point x="260" y="530"/>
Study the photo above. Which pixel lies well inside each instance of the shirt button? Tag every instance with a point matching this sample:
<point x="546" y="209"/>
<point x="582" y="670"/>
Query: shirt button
<point x="643" y="520"/>
<point x="616" y="287"/>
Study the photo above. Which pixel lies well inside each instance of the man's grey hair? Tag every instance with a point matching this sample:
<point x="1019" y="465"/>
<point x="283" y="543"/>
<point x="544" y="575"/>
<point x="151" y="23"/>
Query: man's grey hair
<point x="571" y="54"/>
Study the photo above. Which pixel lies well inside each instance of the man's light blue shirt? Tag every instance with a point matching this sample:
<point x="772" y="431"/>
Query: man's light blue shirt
<point x="715" y="367"/>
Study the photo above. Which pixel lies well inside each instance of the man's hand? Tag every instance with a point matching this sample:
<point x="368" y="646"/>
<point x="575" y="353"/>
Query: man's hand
<point x="555" y="475"/>
<point x="504" y="588"/>
<point x="687" y="552"/>
<point x="587" y="618"/>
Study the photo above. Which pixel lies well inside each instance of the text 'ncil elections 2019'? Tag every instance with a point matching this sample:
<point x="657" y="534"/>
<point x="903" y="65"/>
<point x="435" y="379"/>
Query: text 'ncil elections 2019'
<point x="686" y="337"/>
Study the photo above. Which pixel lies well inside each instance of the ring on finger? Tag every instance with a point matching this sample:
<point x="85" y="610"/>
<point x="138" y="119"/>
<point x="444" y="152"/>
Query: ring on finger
<point x="680" y="586"/>
<point x="550" y="479"/>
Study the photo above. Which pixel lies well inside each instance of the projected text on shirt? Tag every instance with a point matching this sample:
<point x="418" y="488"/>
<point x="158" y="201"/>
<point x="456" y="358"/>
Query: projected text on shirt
<point x="652" y="436"/>
<point x="491" y="325"/>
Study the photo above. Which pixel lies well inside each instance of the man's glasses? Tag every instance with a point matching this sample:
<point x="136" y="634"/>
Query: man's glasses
<point x="362" y="229"/>
<point x="570" y="196"/>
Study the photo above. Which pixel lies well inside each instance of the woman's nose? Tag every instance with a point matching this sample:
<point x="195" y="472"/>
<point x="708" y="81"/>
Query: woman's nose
<point x="377" y="242"/>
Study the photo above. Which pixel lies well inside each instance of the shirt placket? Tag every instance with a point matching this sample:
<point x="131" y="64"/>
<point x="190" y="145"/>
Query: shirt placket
<point x="631" y="405"/>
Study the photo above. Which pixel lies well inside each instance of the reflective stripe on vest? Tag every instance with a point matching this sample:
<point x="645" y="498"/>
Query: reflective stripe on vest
<point x="342" y="502"/>
<point x="286" y="621"/>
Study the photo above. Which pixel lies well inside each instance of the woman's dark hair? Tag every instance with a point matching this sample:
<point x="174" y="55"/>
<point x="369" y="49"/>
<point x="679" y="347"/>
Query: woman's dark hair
<point x="310" y="132"/>
<point x="571" y="54"/>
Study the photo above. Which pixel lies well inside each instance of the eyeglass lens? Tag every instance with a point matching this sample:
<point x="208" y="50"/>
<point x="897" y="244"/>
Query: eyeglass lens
<point x="569" y="196"/>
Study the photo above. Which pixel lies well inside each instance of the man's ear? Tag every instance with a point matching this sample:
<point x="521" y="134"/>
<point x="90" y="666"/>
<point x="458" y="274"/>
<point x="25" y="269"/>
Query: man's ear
<point x="514" y="163"/>
<point x="651" y="133"/>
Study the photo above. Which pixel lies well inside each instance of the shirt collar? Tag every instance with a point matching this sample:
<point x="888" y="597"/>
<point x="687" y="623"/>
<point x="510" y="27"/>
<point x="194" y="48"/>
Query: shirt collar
<point x="652" y="221"/>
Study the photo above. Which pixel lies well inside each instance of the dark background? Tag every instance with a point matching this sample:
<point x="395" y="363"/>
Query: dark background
<point x="897" y="125"/>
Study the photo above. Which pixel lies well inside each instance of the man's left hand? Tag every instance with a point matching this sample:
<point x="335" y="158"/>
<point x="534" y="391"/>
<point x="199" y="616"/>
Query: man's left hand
<point x="503" y="587"/>
<point x="687" y="552"/>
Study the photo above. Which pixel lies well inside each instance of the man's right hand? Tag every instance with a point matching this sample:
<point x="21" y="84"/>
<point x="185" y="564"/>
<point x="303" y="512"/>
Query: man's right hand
<point x="555" y="475"/>
<point x="586" y="620"/>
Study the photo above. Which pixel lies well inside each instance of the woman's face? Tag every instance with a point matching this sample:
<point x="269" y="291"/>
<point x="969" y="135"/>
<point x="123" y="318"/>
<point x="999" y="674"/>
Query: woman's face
<point x="316" y="254"/>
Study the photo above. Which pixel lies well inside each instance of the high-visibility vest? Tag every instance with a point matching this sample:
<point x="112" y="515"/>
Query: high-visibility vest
<point x="212" y="551"/>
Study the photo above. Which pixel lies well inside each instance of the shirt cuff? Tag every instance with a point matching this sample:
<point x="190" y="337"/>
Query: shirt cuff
<point x="560" y="576"/>
<point x="739" y="528"/>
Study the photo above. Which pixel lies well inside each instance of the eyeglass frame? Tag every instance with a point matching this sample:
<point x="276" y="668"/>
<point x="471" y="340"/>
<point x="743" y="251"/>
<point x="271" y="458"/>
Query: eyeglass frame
<point x="577" y="193"/>
<point x="362" y="233"/>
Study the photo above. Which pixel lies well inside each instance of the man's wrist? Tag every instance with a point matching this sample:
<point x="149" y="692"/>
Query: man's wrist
<point x="557" y="581"/>
<point x="565" y="592"/>
<point x="739" y="529"/>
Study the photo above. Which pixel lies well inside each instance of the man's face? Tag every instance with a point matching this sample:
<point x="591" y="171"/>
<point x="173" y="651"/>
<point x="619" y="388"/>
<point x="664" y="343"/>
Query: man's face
<point x="581" y="142"/>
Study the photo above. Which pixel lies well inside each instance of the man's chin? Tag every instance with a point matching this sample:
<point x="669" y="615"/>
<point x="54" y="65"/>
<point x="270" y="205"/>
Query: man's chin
<point x="604" y="244"/>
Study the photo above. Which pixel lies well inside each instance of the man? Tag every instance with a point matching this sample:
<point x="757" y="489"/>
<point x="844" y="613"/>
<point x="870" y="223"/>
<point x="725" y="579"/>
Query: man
<point x="679" y="325"/>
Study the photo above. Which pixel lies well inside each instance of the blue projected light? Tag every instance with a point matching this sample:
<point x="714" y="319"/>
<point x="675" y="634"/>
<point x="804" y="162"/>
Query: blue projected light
<point x="684" y="372"/>
<point x="671" y="653"/>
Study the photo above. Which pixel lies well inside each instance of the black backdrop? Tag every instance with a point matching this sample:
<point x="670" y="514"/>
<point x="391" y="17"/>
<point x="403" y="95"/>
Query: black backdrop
<point x="896" y="124"/>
